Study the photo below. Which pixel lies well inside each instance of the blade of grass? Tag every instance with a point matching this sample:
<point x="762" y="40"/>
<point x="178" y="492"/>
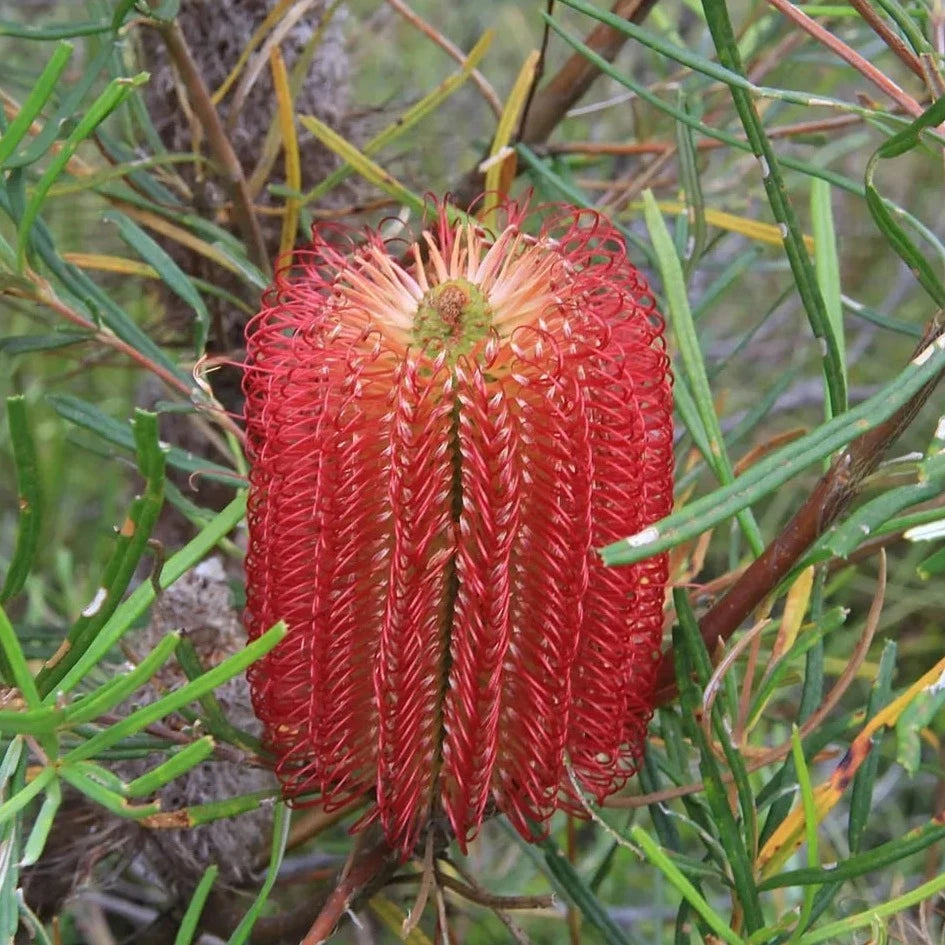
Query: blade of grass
<point x="685" y="888"/>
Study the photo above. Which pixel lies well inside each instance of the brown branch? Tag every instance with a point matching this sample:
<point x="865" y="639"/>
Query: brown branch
<point x="848" y="55"/>
<point x="364" y="872"/>
<point x="220" y="145"/>
<point x="574" y="78"/>
<point x="451" y="49"/>
<point x="889" y="36"/>
<point x="830" y="498"/>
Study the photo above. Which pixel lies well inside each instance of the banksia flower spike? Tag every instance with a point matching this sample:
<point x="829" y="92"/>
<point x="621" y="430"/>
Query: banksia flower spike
<point x="441" y="434"/>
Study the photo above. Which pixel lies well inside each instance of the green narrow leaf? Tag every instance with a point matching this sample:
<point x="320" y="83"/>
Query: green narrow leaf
<point x="91" y="301"/>
<point x="130" y="546"/>
<point x="577" y="891"/>
<point x="842" y="540"/>
<point x="917" y="716"/>
<point x="26" y="794"/>
<point x="872" y="861"/>
<point x="79" y="778"/>
<point x="114" y="94"/>
<point x="198" y="814"/>
<point x="170" y="273"/>
<point x="24" y="344"/>
<point x="720" y="26"/>
<point x="12" y="780"/>
<point x="51" y="30"/>
<point x="693" y="669"/>
<point x="39" y="94"/>
<point x="179" y="763"/>
<point x="39" y="833"/>
<point x="188" y="924"/>
<point x="280" y="834"/>
<point x="30" y="499"/>
<point x="166" y="10"/>
<point x="765" y="476"/>
<point x="899" y="144"/>
<point x="685" y="888"/>
<point x="189" y="692"/>
<point x="214" y="718"/>
<point x="143" y="596"/>
<point x="827" y="265"/>
<point x="674" y="286"/>
<point x="14" y="663"/>
<point x="692" y="188"/>
<point x="810" y="830"/>
<point x="934" y="564"/>
<point x="861" y="795"/>
<point x="90" y="418"/>
<point x="115" y="691"/>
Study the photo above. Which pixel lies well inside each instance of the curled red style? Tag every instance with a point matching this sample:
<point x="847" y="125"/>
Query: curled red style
<point x="441" y="433"/>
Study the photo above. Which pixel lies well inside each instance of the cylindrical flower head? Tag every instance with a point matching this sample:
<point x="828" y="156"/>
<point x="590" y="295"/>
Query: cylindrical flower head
<point x="441" y="433"/>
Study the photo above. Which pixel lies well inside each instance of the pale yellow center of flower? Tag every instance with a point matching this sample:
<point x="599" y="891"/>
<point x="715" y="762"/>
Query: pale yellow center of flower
<point x="452" y="317"/>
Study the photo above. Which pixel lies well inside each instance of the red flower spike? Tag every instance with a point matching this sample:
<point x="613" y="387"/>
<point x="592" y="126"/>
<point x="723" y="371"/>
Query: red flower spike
<point x="439" y="441"/>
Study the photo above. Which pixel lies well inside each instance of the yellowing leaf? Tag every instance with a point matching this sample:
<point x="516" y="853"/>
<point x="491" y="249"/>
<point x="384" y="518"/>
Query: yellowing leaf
<point x="790" y="834"/>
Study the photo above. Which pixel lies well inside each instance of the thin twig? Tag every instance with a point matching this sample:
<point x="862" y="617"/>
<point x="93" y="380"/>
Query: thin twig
<point x="475" y="893"/>
<point x="888" y="35"/>
<point x="848" y="55"/>
<point x="574" y="78"/>
<point x="728" y="661"/>
<point x="481" y="82"/>
<point x="830" y="498"/>
<point x="539" y="69"/>
<point x="703" y="144"/>
<point x="427" y="881"/>
<point x="364" y="870"/>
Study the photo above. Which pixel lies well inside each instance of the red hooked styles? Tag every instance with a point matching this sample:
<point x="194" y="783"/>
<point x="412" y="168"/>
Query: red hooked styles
<point x="441" y="434"/>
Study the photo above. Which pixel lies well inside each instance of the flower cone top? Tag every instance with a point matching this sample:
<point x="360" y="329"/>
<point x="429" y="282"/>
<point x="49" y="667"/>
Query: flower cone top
<point x="441" y="433"/>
